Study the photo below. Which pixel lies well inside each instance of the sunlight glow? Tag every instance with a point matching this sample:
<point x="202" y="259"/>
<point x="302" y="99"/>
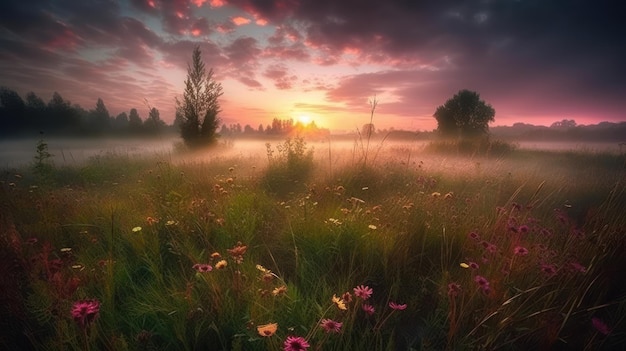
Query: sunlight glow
<point x="305" y="119"/>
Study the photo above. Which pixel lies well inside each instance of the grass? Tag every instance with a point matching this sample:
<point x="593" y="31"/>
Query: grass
<point x="488" y="250"/>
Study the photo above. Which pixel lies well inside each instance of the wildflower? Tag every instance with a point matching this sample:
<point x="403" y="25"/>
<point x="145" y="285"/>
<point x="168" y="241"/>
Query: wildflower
<point x="216" y="255"/>
<point x="464" y="265"/>
<point x="231" y="169"/>
<point x="267" y="329"/>
<point x="136" y="229"/>
<point x="347" y="297"/>
<point x="481" y="281"/>
<point x="372" y="227"/>
<point x="520" y="251"/>
<point x="600" y="326"/>
<point x="397" y="307"/>
<point x="202" y="267"/>
<point x="577" y="267"/>
<point x="170" y="222"/>
<point x="281" y="290"/>
<point x="85" y="311"/>
<point x="221" y="264"/>
<point x="263" y="269"/>
<point x="474" y="236"/>
<point x="448" y="195"/>
<point x="152" y="220"/>
<point x="453" y="289"/>
<point x="473" y="265"/>
<point x="435" y="194"/>
<point x="66" y="249"/>
<point x="296" y="343"/>
<point x="330" y="325"/>
<point x="238" y="251"/>
<point x="523" y="229"/>
<point x="362" y="291"/>
<point x="369" y="309"/>
<point x="341" y="304"/>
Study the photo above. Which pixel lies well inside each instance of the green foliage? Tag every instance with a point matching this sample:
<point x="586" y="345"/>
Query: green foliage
<point x="130" y="233"/>
<point x="464" y="115"/>
<point x="43" y="167"/>
<point x="197" y="113"/>
<point x="288" y="166"/>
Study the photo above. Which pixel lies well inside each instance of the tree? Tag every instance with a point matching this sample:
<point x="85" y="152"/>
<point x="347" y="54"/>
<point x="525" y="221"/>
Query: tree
<point x="153" y="124"/>
<point x="464" y="115"/>
<point x="199" y="107"/>
<point x="134" y="122"/>
<point x="100" y="119"/>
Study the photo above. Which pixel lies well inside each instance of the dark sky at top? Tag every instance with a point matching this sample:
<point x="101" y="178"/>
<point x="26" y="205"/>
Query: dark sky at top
<point x="535" y="61"/>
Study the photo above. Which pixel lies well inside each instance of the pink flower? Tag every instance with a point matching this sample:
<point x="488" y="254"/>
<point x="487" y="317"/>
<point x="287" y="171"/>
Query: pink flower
<point x="453" y="289"/>
<point x="369" y="309"/>
<point x="202" y="267"/>
<point x="330" y="325"/>
<point x="85" y="311"/>
<point x="296" y="343"/>
<point x="397" y="307"/>
<point x="520" y="251"/>
<point x="473" y="265"/>
<point x="482" y="281"/>
<point x="600" y="326"/>
<point x="474" y="236"/>
<point x="524" y="229"/>
<point x="548" y="269"/>
<point x="577" y="267"/>
<point x="364" y="292"/>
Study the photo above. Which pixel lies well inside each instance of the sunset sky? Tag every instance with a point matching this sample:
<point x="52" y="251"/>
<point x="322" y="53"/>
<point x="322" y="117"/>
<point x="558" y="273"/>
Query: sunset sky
<point x="534" y="61"/>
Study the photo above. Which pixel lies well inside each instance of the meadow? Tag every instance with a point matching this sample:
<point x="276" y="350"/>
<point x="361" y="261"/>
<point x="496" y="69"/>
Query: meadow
<point x="377" y="246"/>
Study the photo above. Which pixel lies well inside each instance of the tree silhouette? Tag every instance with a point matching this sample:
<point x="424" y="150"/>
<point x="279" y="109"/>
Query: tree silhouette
<point x="153" y="124"/>
<point x="134" y="122"/>
<point x="198" y="111"/>
<point x="464" y="115"/>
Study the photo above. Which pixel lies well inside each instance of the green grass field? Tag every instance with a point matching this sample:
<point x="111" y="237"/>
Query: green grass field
<point x="377" y="248"/>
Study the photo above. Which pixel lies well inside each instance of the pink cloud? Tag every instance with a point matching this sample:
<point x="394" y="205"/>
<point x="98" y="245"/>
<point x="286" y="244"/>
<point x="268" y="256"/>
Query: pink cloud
<point x="240" y="21"/>
<point x="217" y="3"/>
<point x="198" y="3"/>
<point x="261" y="22"/>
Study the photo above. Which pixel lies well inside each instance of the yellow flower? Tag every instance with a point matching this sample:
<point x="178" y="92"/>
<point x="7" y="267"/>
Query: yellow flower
<point x="281" y="290"/>
<point x="221" y="264"/>
<point x="464" y="265"/>
<point x="339" y="302"/>
<point x="267" y="329"/>
<point x="372" y="227"/>
<point x="136" y="229"/>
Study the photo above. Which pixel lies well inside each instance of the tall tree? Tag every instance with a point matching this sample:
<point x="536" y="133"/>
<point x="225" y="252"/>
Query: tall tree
<point x="100" y="118"/>
<point x="153" y="124"/>
<point x="199" y="107"/>
<point x="134" y="121"/>
<point x="464" y="115"/>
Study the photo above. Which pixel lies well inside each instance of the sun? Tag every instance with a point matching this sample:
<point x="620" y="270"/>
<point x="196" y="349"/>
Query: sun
<point x="305" y="119"/>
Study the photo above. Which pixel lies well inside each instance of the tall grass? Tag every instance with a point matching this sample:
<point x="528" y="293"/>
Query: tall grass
<point x="521" y="250"/>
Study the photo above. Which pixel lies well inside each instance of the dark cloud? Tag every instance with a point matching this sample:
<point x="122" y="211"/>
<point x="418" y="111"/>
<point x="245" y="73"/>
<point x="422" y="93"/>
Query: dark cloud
<point x="279" y="73"/>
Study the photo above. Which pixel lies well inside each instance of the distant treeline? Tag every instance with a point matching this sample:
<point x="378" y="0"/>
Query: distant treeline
<point x="563" y="130"/>
<point x="24" y="117"/>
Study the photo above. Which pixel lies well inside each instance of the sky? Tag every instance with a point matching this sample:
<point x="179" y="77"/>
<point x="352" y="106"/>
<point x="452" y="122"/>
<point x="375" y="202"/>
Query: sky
<point x="534" y="61"/>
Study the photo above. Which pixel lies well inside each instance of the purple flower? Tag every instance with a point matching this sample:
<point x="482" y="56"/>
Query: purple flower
<point x="85" y="311"/>
<point x="600" y="326"/>
<point x="296" y="343"/>
<point x="397" y="307"/>
<point x="369" y="309"/>
<point x="454" y="289"/>
<point x="364" y="292"/>
<point x="330" y="325"/>
<point x="520" y="251"/>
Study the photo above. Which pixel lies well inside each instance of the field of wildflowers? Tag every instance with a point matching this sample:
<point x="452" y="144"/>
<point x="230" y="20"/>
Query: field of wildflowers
<point x="316" y="250"/>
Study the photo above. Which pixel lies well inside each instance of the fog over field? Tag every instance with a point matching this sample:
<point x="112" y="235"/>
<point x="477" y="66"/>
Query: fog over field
<point x="72" y="151"/>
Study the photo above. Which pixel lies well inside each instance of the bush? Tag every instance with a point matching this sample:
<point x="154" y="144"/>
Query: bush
<point x="288" y="166"/>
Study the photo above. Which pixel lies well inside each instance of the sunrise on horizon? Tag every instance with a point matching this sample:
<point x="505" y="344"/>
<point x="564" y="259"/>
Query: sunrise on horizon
<point x="535" y="62"/>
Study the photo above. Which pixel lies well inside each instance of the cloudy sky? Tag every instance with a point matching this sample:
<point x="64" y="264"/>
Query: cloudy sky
<point x="534" y="61"/>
